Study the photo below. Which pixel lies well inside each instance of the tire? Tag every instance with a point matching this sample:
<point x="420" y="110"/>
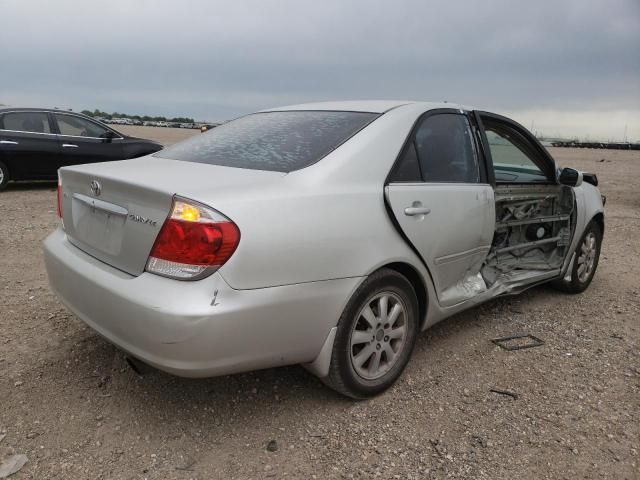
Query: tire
<point x="4" y="176"/>
<point x="587" y="253"/>
<point x="371" y="350"/>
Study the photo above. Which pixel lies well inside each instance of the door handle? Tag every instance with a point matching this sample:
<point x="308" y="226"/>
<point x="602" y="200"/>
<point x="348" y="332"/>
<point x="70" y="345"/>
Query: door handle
<point x="8" y="142"/>
<point x="411" y="211"/>
<point x="69" y="145"/>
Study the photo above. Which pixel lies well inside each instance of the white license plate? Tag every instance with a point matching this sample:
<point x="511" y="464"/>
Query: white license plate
<point x="99" y="229"/>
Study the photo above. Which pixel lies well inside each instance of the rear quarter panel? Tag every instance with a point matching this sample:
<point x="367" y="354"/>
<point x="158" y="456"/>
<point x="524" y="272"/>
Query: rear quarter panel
<point x="305" y="235"/>
<point x="326" y="221"/>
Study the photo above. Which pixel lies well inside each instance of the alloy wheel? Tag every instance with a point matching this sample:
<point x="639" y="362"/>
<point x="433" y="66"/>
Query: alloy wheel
<point x="586" y="258"/>
<point x="378" y="336"/>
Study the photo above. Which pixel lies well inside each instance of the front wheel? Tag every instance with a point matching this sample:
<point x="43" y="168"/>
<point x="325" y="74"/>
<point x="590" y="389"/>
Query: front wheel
<point x="4" y="176"/>
<point x="585" y="261"/>
<point x="375" y="336"/>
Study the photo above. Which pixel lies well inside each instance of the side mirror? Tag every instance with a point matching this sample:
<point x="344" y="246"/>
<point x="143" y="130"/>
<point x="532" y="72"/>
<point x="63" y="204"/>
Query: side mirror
<point x="109" y="136"/>
<point x="571" y="177"/>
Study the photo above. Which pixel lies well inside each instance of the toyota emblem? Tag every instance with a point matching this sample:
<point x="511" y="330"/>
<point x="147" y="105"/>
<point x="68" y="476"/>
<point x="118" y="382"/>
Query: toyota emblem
<point x="96" y="189"/>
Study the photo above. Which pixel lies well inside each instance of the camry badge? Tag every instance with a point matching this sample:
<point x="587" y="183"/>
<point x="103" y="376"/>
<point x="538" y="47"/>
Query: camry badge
<point x="96" y="188"/>
<point x="141" y="219"/>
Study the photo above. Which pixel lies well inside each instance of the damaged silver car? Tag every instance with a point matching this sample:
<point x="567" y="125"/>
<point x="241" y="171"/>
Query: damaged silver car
<point x="327" y="235"/>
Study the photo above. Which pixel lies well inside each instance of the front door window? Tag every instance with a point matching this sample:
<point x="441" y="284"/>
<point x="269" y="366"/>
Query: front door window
<point x="513" y="156"/>
<point x="79" y="127"/>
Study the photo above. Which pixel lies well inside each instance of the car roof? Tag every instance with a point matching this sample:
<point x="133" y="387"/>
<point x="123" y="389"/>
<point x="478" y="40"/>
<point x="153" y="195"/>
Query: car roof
<point x="34" y="109"/>
<point x="372" y="106"/>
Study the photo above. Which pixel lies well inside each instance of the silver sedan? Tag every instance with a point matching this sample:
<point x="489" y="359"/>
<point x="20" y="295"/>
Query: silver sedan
<point x="327" y="235"/>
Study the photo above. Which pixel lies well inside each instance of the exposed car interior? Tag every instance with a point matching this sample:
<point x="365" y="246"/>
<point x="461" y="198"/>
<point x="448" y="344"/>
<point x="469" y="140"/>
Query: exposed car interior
<point x="533" y="222"/>
<point x="533" y="231"/>
<point x="533" y="213"/>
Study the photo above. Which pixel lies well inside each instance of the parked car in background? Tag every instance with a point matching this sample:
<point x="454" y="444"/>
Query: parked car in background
<point x="325" y="234"/>
<point x="35" y="143"/>
<point x="204" y="127"/>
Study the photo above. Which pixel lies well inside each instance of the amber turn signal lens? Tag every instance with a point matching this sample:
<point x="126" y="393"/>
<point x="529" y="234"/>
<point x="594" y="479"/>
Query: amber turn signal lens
<point x="186" y="212"/>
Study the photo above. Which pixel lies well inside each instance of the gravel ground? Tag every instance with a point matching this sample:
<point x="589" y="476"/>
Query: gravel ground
<point x="69" y="402"/>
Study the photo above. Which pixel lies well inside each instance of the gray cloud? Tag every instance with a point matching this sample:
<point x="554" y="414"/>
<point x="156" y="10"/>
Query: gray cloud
<point x="217" y="60"/>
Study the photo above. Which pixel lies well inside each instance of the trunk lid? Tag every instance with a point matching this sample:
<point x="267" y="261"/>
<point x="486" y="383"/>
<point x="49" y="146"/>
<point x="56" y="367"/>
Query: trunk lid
<point x="114" y="210"/>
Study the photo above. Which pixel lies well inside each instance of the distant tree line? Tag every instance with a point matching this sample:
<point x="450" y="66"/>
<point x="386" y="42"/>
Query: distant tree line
<point x="142" y="118"/>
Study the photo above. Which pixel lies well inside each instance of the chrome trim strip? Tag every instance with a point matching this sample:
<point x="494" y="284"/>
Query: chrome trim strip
<point x="101" y="205"/>
<point x="24" y="131"/>
<point x="58" y="134"/>
<point x="96" y="138"/>
<point x="425" y="184"/>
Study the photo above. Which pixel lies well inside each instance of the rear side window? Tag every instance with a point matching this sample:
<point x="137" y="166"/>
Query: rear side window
<point x="35" y="122"/>
<point x="276" y="141"/>
<point x="445" y="149"/>
<point x="407" y="168"/>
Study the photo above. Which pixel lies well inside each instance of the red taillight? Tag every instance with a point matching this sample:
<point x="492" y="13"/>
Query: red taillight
<point x="196" y="243"/>
<point x="194" y="240"/>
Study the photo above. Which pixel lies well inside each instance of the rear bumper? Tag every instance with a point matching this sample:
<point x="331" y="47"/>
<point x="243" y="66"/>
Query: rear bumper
<point x="196" y="329"/>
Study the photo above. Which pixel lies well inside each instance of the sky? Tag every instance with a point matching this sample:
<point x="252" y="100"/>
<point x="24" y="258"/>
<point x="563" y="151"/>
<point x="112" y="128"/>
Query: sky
<point x="560" y="67"/>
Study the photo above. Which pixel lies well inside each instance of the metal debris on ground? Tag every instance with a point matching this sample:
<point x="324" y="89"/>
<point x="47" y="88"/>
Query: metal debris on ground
<point x="11" y="465"/>
<point x="503" y="391"/>
<point x="518" y="342"/>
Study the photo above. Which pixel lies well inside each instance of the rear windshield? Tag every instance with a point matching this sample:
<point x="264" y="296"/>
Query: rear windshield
<point x="276" y="141"/>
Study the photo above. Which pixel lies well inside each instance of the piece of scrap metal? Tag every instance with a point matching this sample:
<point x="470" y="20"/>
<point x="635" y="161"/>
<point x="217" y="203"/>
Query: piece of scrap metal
<point x="508" y="344"/>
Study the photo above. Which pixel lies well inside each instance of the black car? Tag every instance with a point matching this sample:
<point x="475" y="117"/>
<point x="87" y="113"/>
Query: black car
<point x="34" y="143"/>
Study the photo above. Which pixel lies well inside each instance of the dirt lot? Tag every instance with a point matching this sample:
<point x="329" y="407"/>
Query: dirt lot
<point x="166" y="136"/>
<point x="69" y="402"/>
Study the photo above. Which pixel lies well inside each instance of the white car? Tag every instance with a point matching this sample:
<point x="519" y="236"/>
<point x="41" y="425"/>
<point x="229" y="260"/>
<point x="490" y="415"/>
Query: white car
<point x="327" y="235"/>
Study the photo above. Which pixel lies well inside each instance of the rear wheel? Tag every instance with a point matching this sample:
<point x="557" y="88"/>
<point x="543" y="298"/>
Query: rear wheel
<point x="4" y="176"/>
<point x="585" y="261"/>
<point x="375" y="336"/>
